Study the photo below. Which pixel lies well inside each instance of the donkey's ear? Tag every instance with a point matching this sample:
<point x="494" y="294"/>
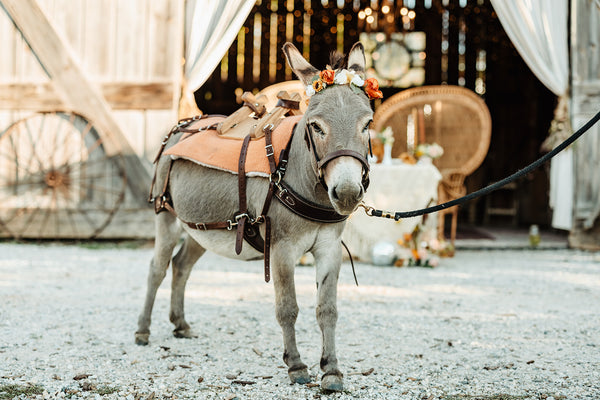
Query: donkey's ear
<point x="302" y="68"/>
<point x="356" y="58"/>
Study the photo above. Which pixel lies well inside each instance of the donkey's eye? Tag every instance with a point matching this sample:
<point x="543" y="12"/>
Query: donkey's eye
<point x="316" y="128"/>
<point x="367" y="126"/>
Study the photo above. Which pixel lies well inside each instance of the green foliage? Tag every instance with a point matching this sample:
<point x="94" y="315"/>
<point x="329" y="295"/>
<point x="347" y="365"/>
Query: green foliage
<point x="14" y="390"/>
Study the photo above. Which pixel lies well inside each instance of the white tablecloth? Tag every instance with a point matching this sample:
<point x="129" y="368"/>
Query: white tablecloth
<point x="396" y="187"/>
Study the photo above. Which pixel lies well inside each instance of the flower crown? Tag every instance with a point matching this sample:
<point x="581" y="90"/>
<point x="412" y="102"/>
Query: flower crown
<point x="329" y="77"/>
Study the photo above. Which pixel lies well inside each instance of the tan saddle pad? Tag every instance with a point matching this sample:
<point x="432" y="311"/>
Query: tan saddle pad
<point x="210" y="149"/>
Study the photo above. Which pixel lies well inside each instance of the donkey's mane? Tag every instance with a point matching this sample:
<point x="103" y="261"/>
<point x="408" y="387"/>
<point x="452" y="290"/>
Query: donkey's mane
<point x="337" y="60"/>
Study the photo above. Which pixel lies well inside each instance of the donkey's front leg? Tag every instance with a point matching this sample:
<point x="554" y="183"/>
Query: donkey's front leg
<point x="328" y="260"/>
<point x="286" y="311"/>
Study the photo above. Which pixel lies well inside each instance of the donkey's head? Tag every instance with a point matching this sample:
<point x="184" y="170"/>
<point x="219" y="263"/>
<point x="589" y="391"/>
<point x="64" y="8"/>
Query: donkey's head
<point x="337" y="124"/>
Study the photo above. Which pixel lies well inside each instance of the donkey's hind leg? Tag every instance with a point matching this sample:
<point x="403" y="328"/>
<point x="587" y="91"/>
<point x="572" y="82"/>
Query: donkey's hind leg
<point x="286" y="311"/>
<point x="167" y="236"/>
<point x="183" y="262"/>
<point x="328" y="262"/>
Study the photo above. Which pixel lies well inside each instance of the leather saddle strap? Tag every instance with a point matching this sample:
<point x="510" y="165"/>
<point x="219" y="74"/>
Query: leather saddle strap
<point x="243" y="209"/>
<point x="163" y="201"/>
<point x="253" y="237"/>
<point x="267" y="249"/>
<point x="201" y="226"/>
<point x="267" y="204"/>
<point x="268" y="130"/>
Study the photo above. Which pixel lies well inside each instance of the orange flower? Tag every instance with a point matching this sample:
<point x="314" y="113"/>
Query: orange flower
<point x="372" y="89"/>
<point x="407" y="237"/>
<point x="415" y="254"/>
<point x="318" y="85"/>
<point x="327" y="76"/>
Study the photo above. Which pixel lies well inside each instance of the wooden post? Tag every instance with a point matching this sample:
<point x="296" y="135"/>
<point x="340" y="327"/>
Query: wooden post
<point x="585" y="86"/>
<point x="75" y="90"/>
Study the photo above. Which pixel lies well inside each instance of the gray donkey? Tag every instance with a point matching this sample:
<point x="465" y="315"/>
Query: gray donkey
<point x="326" y="168"/>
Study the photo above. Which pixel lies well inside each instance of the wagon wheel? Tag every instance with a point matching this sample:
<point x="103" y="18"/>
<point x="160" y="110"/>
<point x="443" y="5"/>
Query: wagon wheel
<point x="56" y="181"/>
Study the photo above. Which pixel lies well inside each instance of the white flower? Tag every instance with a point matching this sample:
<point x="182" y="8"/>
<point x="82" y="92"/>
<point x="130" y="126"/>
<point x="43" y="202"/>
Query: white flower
<point x="358" y="81"/>
<point x="386" y="135"/>
<point x="435" y="150"/>
<point x="342" y="78"/>
<point x="309" y="90"/>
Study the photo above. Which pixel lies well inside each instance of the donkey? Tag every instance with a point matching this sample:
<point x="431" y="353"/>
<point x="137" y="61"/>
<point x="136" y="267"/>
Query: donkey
<point x="337" y="120"/>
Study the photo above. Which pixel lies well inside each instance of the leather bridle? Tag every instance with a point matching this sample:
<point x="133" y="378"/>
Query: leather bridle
<point x="322" y="162"/>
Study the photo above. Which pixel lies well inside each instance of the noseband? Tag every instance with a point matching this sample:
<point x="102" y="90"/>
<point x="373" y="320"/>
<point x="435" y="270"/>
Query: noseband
<point x="322" y="162"/>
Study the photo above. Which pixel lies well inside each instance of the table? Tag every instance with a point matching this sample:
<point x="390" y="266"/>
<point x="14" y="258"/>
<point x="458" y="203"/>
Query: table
<point x="395" y="187"/>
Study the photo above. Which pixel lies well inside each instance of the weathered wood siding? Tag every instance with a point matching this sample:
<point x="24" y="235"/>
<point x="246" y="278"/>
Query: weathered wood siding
<point x="131" y="49"/>
<point x="131" y="52"/>
<point x="585" y="61"/>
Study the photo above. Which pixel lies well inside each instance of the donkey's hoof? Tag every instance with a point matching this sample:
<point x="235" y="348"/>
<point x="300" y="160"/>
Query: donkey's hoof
<point x="142" y="339"/>
<point x="332" y="383"/>
<point x="300" y="376"/>
<point x="184" y="334"/>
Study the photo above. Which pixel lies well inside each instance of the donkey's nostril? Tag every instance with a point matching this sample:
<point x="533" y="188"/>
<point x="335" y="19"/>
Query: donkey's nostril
<point x="335" y="194"/>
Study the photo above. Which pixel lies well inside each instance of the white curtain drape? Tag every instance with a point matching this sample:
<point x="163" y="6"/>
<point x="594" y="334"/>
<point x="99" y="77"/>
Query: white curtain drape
<point x="538" y="30"/>
<point x="210" y="28"/>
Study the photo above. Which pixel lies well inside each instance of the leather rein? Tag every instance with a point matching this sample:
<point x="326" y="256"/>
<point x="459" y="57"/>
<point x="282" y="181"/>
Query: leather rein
<point x="247" y="226"/>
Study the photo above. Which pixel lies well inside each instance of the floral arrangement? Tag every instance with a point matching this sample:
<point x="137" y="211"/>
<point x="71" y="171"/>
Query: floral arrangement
<point x="386" y="136"/>
<point x="416" y="250"/>
<point x="329" y="77"/>
<point x="432" y="150"/>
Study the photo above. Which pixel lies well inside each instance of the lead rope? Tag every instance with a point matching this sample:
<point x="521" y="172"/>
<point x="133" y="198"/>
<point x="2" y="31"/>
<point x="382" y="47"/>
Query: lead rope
<point x="372" y="212"/>
<point x="351" y="262"/>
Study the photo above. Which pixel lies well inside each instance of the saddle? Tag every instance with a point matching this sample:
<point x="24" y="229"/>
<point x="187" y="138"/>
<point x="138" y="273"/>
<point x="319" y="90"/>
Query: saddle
<point x="261" y="139"/>
<point x="222" y="137"/>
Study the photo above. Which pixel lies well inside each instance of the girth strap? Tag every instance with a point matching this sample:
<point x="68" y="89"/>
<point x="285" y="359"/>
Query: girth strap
<point x="242" y="215"/>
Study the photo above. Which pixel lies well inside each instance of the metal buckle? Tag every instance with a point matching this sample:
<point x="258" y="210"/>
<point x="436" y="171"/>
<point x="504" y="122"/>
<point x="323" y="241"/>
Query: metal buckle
<point x="270" y="151"/>
<point x="159" y="203"/>
<point x="279" y="177"/>
<point x="240" y="216"/>
<point x="268" y="126"/>
<point x="231" y="224"/>
<point x="201" y="224"/>
<point x="368" y="209"/>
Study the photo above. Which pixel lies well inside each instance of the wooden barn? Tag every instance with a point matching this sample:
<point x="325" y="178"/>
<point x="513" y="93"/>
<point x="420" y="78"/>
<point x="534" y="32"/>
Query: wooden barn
<point x="87" y="90"/>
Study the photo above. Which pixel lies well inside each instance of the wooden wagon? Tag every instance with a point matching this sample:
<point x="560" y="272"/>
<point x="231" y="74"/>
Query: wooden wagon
<point x="87" y="89"/>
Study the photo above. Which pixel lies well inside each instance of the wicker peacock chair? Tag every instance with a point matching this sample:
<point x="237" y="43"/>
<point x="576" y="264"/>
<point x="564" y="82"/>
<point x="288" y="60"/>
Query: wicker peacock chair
<point x="453" y="117"/>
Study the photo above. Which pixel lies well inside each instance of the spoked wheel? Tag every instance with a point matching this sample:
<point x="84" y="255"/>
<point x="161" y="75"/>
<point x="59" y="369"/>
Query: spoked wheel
<point x="56" y="181"/>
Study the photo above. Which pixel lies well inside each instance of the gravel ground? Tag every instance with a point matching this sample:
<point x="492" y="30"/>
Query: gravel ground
<point x="482" y="325"/>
